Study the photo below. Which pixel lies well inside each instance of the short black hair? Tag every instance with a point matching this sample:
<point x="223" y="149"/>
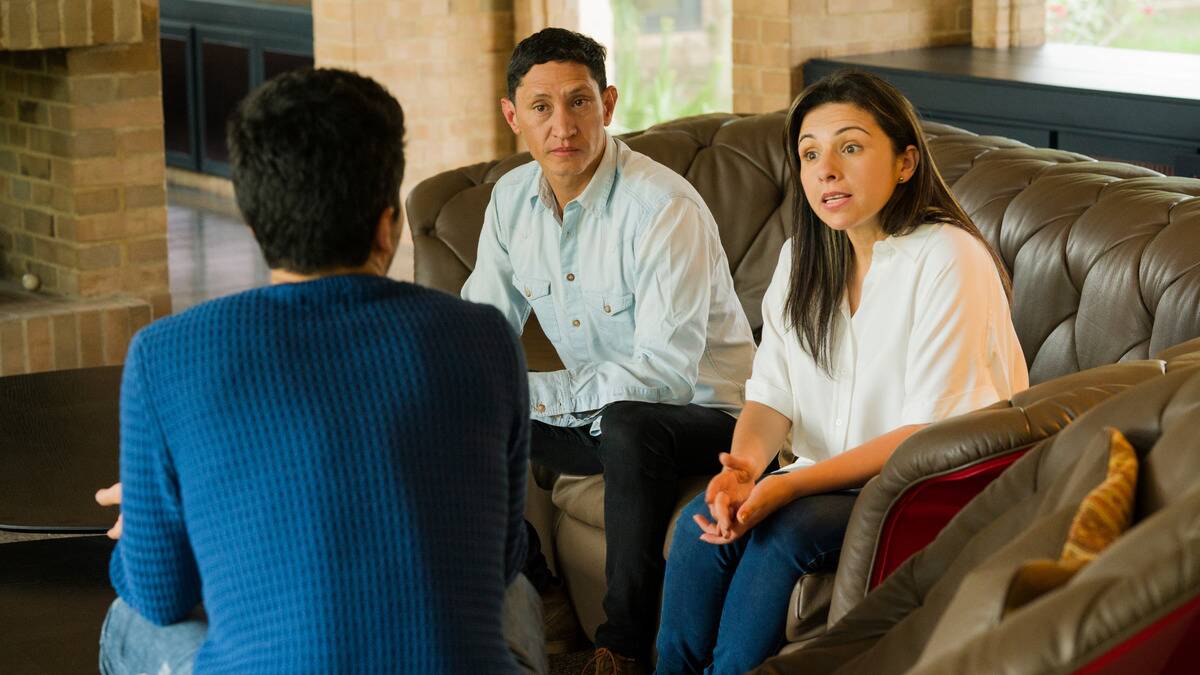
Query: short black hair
<point x="317" y="156"/>
<point x="555" y="44"/>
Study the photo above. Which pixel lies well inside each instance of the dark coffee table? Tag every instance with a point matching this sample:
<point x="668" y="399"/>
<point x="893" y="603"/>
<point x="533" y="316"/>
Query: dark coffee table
<point x="58" y="445"/>
<point x="53" y="596"/>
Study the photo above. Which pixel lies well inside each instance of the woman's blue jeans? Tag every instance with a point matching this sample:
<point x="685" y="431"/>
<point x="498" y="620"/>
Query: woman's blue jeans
<point x="725" y="606"/>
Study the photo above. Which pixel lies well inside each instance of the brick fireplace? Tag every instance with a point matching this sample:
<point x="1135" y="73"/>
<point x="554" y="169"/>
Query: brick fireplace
<point x="82" y="199"/>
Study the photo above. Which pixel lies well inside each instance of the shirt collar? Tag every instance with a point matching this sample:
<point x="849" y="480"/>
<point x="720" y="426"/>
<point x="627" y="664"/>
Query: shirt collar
<point x="909" y="244"/>
<point x="598" y="191"/>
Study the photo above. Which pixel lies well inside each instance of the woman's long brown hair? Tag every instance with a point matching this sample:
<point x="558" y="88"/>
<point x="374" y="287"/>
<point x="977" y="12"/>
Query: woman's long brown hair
<point x="822" y="258"/>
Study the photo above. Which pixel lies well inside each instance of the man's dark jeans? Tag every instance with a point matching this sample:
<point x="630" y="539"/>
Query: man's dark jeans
<point x="643" y="450"/>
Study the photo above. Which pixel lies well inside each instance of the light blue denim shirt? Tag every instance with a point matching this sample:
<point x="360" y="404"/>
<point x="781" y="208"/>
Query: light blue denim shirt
<point x="632" y="288"/>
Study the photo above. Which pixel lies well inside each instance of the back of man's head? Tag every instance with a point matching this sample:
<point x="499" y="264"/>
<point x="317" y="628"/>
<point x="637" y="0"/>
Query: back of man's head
<point x="318" y="156"/>
<point x="555" y="44"/>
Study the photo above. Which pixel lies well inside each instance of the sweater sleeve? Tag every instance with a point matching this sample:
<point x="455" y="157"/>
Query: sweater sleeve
<point x="152" y="568"/>
<point x="518" y="463"/>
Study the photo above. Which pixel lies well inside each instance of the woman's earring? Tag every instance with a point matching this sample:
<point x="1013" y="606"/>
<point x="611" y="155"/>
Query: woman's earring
<point x="900" y="180"/>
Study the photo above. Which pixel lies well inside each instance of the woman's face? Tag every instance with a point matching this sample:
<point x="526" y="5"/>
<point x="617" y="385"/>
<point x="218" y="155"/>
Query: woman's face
<point x="848" y="167"/>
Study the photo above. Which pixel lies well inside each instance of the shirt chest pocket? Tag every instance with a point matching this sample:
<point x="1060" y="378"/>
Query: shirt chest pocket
<point x="537" y="293"/>
<point x="612" y="315"/>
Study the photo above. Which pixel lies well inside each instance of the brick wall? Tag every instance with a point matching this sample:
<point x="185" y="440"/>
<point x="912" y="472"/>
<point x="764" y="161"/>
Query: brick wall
<point x="39" y="333"/>
<point x="48" y="24"/>
<point x="444" y="60"/>
<point x="762" y="38"/>
<point x="824" y="29"/>
<point x="530" y="16"/>
<point x="82" y="199"/>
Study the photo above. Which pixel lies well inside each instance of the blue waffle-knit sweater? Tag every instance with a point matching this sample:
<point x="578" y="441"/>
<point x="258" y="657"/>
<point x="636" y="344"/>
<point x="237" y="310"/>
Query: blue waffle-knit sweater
<point x="336" y="468"/>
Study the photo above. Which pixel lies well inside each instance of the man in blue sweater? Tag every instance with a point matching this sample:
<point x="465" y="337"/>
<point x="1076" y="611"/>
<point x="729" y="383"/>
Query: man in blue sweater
<point x="334" y="465"/>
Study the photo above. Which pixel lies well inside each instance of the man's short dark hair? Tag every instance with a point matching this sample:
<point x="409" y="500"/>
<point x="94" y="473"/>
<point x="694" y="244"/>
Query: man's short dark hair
<point x="555" y="44"/>
<point x="317" y="156"/>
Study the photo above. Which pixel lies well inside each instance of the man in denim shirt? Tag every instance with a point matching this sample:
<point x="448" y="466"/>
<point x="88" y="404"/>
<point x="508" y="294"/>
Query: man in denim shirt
<point x="620" y="260"/>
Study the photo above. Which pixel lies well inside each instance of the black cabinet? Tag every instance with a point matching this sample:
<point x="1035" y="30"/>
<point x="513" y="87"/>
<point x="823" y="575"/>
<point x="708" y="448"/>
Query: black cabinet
<point x="214" y="52"/>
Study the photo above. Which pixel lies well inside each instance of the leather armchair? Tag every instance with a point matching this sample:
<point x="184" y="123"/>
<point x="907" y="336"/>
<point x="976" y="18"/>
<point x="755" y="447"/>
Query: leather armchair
<point x="1135" y="608"/>
<point x="1104" y="259"/>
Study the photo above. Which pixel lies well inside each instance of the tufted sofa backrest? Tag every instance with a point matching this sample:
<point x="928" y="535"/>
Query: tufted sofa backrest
<point x="1105" y="256"/>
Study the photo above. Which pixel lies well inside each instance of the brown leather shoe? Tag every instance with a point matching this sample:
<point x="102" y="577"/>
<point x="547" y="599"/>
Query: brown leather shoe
<point x="607" y="662"/>
<point x="563" y="633"/>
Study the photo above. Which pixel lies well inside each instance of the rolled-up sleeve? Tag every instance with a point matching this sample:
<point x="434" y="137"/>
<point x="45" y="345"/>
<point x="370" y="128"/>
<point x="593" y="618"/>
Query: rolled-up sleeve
<point x="947" y="371"/>
<point x="770" y="382"/>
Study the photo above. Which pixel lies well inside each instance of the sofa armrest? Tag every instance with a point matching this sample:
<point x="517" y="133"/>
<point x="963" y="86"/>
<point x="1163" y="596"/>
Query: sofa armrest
<point x="808" y="609"/>
<point x="939" y="469"/>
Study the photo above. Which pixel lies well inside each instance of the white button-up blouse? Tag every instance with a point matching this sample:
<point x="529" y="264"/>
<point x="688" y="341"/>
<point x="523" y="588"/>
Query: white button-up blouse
<point x="932" y="338"/>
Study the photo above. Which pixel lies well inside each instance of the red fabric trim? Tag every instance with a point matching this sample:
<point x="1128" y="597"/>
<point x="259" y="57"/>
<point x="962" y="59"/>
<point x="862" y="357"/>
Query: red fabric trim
<point x="1170" y="645"/>
<point x="925" y="508"/>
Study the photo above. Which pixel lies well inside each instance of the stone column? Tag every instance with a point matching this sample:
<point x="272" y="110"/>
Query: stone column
<point x="444" y="61"/>
<point x="530" y="16"/>
<point x="762" y="45"/>
<point x="1000" y="24"/>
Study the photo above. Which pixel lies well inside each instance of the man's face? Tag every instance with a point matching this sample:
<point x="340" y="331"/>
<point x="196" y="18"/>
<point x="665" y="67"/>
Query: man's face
<point x="561" y="113"/>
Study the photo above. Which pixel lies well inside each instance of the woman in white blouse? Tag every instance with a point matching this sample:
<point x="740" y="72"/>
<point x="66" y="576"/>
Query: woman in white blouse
<point x="887" y="311"/>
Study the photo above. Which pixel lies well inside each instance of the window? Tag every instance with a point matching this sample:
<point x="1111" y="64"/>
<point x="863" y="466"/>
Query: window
<point x="1155" y="25"/>
<point x="213" y="54"/>
<point x="668" y="58"/>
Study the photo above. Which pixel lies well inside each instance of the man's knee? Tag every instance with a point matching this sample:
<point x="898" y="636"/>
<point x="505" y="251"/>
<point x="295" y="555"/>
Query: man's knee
<point x="131" y="643"/>
<point x="632" y="433"/>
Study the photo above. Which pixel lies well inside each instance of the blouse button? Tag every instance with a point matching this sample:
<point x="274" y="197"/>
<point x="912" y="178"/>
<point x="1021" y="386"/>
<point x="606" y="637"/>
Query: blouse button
<point x="528" y="293"/>
<point x="607" y="309"/>
<point x="575" y="323"/>
<point x="570" y="276"/>
<point x="541" y="407"/>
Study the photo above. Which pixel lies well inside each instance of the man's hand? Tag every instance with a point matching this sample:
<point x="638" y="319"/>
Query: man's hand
<point x="764" y="499"/>
<point x="111" y="496"/>
<point x="726" y="493"/>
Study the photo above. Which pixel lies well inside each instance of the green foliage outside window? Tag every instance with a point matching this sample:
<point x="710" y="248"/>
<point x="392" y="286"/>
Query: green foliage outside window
<point x="1158" y="25"/>
<point x="649" y="95"/>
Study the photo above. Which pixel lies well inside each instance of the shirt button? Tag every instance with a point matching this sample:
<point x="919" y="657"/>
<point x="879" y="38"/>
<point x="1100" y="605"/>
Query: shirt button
<point x="607" y="309"/>
<point x="570" y="276"/>
<point x="528" y="293"/>
<point x="838" y="421"/>
<point x="575" y="323"/>
<point x="541" y="407"/>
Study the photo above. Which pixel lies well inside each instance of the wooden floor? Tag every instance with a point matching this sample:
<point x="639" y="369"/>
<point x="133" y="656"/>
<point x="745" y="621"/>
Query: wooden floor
<point x="211" y="252"/>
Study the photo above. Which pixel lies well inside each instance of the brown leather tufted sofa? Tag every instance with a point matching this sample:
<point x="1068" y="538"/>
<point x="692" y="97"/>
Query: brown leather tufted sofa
<point x="1105" y="259"/>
